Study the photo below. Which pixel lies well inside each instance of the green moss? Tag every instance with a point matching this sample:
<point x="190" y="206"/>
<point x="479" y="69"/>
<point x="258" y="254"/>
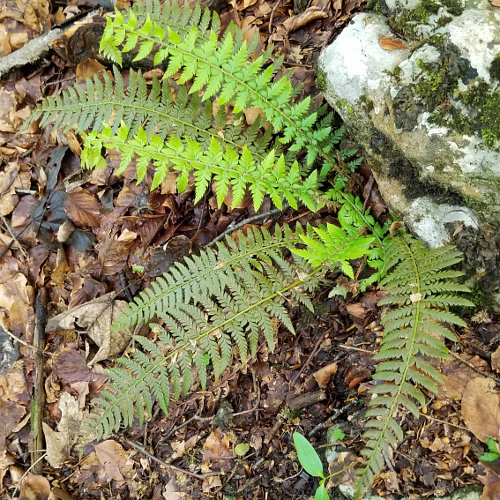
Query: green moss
<point x="321" y="80"/>
<point x="454" y="7"/>
<point x="407" y="22"/>
<point x="483" y="105"/>
<point x="435" y="83"/>
<point x="495" y="68"/>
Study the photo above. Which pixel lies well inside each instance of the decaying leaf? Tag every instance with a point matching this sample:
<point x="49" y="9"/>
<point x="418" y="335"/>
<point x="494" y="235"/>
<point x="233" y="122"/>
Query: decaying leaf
<point x="60" y="442"/>
<point x="323" y="375"/>
<point x="310" y="14"/>
<point x="481" y="408"/>
<point x="34" y="487"/>
<point x="96" y="318"/>
<point x="388" y="43"/>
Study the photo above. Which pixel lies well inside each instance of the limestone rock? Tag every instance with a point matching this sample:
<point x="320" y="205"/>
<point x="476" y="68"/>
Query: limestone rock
<point x="427" y="117"/>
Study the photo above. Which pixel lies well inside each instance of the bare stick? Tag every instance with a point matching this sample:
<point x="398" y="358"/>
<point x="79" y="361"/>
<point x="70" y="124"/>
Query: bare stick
<point x="255" y="217"/>
<point x="170" y="466"/>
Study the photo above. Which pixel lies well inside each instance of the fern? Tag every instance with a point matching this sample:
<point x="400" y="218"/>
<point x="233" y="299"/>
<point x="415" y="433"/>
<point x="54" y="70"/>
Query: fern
<point x="229" y="68"/>
<point x="207" y="304"/>
<point x="420" y="284"/>
<point x="227" y="168"/>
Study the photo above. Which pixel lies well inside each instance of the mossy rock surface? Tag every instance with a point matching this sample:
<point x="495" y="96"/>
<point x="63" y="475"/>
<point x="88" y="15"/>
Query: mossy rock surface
<point x="426" y="116"/>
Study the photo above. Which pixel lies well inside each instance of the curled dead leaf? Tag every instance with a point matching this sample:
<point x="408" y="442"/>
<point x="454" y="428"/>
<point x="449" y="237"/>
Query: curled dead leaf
<point x="96" y="316"/>
<point x="324" y="374"/>
<point x="389" y="43"/>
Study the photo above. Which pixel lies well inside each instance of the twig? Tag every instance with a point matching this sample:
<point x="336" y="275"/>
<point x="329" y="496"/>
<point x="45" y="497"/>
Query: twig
<point x="37" y="48"/>
<point x="187" y="422"/>
<point x="470" y="365"/>
<point x="336" y="414"/>
<point x="38" y="400"/>
<point x="17" y="339"/>
<point x="271" y="17"/>
<point x="12" y="235"/>
<point x="313" y="353"/>
<point x="170" y="466"/>
<point x="30" y="468"/>
<point x="235" y="227"/>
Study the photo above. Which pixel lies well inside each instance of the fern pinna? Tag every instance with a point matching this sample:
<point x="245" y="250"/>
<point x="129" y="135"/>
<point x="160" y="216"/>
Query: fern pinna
<point x="206" y="305"/>
<point x="422" y="288"/>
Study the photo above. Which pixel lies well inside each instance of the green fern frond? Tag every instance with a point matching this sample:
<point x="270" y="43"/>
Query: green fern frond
<point x="161" y="109"/>
<point x="207" y="305"/>
<point x="227" y="168"/>
<point x="229" y="69"/>
<point x="413" y="339"/>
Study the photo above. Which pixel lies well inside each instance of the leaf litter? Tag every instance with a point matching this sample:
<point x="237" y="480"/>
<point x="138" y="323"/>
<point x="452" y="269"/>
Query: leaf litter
<point x="78" y="235"/>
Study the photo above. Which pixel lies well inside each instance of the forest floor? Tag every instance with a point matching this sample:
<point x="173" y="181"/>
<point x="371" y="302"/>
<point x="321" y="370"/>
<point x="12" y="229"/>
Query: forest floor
<point x="68" y="238"/>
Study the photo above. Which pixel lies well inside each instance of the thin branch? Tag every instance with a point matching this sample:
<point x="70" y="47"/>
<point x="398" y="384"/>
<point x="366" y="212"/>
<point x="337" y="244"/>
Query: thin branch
<point x="170" y="466"/>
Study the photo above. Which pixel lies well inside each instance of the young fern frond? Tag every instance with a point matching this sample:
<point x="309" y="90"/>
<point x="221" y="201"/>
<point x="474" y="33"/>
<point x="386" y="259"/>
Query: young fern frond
<point x="413" y="340"/>
<point x="207" y="305"/>
<point x="227" y="168"/>
<point x="228" y="70"/>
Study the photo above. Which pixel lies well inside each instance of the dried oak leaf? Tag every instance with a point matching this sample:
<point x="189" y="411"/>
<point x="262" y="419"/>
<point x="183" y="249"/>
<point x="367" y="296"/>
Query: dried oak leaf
<point x="96" y="317"/>
<point x="481" y="408"/>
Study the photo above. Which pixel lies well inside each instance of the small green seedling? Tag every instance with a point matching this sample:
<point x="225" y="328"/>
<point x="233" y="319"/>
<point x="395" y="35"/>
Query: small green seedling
<point x="309" y="459"/>
<point x="493" y="454"/>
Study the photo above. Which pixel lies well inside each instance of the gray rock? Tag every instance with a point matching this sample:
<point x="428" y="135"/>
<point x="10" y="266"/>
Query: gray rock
<point x="426" y="117"/>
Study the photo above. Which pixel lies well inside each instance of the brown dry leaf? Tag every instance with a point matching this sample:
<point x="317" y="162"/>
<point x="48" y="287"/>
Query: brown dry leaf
<point x="113" y="252"/>
<point x="252" y="113"/>
<point x="73" y="143"/>
<point x="495" y="360"/>
<point x="456" y="376"/>
<point x="5" y="47"/>
<point x="114" y="460"/>
<point x="481" y="408"/>
<point x="83" y="208"/>
<point x="388" y="43"/>
<point x="300" y="20"/>
<point x="16" y="296"/>
<point x="8" y="105"/>
<point x="88" y="68"/>
<point x="357" y="310"/>
<point x="60" y="442"/>
<point x="491" y="483"/>
<point x="34" y="487"/>
<point x="495" y="3"/>
<point x="170" y="492"/>
<point x="96" y="317"/>
<point x="216" y="446"/>
<point x="13" y="402"/>
<point x="323" y="375"/>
